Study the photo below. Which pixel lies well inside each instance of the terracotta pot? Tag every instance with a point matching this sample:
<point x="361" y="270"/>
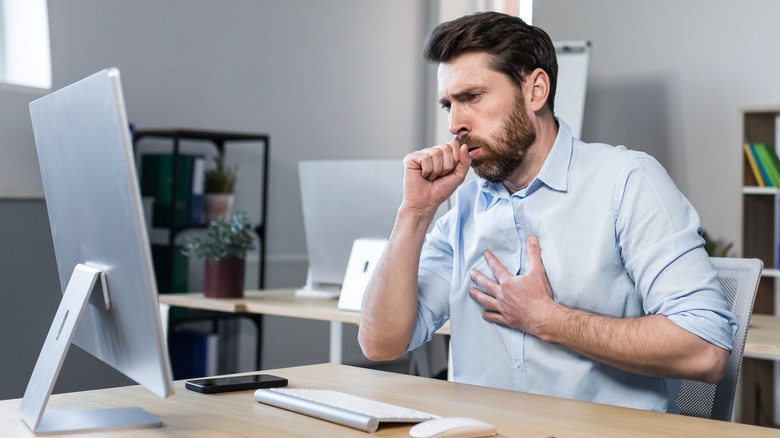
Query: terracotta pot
<point x="224" y="278"/>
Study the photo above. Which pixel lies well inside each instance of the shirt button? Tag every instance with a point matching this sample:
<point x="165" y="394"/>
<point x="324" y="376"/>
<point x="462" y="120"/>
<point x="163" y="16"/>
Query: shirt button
<point x="517" y="364"/>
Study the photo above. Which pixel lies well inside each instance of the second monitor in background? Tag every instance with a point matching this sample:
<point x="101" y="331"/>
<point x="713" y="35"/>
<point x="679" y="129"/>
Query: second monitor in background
<point x="342" y="201"/>
<point x="345" y="200"/>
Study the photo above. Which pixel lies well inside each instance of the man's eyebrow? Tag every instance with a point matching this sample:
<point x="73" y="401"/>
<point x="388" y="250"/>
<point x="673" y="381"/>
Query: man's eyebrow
<point x="459" y="96"/>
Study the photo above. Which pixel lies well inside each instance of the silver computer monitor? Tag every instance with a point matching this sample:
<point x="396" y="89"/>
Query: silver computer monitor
<point x="345" y="200"/>
<point x="109" y="303"/>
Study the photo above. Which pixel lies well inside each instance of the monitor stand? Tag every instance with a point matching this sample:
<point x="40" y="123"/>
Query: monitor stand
<point x="318" y="291"/>
<point x="82" y="288"/>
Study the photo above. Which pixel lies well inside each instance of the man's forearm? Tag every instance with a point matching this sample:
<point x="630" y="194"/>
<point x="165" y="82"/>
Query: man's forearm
<point x="390" y="301"/>
<point x="650" y="345"/>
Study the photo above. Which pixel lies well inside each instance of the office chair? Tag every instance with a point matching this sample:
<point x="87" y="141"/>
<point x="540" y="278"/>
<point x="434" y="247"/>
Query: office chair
<point x="739" y="279"/>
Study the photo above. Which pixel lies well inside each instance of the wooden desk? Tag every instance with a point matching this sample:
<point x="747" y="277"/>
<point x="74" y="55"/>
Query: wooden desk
<point x="278" y="302"/>
<point x="515" y="414"/>
<point x="763" y="340"/>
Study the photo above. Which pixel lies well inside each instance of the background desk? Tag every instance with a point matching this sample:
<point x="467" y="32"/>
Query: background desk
<point x="277" y="302"/>
<point x="515" y="414"/>
<point x="763" y="340"/>
<point x="280" y="302"/>
<point x="756" y="398"/>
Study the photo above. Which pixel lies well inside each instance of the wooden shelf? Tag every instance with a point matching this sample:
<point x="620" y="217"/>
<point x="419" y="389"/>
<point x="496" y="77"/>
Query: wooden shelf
<point x="770" y="272"/>
<point x="220" y="140"/>
<point x="760" y="240"/>
<point x="755" y="190"/>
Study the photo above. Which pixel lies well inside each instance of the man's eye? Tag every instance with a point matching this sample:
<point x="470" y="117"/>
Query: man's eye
<point x="446" y="107"/>
<point x="473" y="96"/>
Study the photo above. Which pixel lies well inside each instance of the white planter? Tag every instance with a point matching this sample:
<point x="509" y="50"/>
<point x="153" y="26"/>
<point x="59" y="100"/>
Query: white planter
<point x="219" y="205"/>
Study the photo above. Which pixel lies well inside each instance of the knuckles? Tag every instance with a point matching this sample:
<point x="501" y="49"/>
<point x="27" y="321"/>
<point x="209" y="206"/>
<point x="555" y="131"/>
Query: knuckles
<point x="438" y="152"/>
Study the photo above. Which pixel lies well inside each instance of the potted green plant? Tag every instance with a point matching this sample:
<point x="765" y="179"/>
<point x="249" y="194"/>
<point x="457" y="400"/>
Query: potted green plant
<point x="716" y="247"/>
<point x="219" y="186"/>
<point x="223" y="246"/>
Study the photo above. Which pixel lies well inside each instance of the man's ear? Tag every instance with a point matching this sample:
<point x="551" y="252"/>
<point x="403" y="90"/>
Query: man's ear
<point x="539" y="84"/>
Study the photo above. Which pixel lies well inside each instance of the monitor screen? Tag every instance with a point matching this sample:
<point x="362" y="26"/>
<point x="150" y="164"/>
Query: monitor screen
<point x="345" y="200"/>
<point x="95" y="213"/>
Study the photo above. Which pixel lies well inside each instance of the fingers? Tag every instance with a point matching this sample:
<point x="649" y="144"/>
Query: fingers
<point x="464" y="161"/>
<point x="534" y="254"/>
<point x="496" y="267"/>
<point x="513" y="300"/>
<point x="499" y="270"/>
<point x="484" y="299"/>
<point x="484" y="283"/>
<point x="438" y="160"/>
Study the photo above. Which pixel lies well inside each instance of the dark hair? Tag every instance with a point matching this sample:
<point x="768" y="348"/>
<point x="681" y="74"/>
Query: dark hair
<point x="515" y="47"/>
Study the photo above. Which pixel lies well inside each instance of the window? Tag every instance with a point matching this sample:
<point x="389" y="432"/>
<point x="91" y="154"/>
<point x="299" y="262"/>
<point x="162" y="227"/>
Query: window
<point x="25" y="58"/>
<point x="519" y="8"/>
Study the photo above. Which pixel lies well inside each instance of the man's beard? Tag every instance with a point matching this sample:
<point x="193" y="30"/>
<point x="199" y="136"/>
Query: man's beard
<point x="498" y="160"/>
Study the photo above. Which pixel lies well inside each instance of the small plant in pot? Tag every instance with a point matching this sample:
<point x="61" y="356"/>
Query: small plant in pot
<point x="223" y="246"/>
<point x="219" y="185"/>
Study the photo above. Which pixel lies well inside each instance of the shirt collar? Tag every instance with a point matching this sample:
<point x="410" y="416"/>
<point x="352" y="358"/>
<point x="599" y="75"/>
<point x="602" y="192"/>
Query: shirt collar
<point x="553" y="174"/>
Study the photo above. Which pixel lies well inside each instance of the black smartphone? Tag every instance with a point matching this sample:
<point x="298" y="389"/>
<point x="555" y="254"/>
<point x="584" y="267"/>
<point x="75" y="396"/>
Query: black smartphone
<point x="237" y="383"/>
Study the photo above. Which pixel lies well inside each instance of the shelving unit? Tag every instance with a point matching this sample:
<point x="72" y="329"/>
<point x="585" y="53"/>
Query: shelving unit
<point x="220" y="140"/>
<point x="760" y="239"/>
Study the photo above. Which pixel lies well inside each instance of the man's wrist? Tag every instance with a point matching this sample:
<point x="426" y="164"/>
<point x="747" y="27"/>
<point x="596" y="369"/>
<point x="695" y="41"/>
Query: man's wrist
<point x="416" y="214"/>
<point x="556" y="322"/>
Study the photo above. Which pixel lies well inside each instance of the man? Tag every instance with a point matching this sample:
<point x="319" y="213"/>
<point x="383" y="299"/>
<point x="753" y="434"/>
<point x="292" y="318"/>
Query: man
<point x="568" y="269"/>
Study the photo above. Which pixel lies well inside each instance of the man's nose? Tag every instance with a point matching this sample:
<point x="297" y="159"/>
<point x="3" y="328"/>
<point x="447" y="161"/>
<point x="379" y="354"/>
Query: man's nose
<point x="458" y="119"/>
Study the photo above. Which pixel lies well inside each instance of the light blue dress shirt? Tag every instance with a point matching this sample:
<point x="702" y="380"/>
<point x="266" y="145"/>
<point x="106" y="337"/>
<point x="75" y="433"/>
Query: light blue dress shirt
<point x="617" y="238"/>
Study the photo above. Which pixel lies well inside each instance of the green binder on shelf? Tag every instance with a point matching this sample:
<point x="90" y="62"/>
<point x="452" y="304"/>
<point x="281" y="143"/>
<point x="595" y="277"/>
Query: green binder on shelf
<point x="157" y="181"/>
<point x="165" y="275"/>
<point x="762" y="179"/>
<point x="769" y="162"/>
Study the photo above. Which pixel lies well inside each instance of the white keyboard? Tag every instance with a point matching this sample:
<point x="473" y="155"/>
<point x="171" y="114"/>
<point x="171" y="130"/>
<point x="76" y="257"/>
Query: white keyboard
<point x="338" y="407"/>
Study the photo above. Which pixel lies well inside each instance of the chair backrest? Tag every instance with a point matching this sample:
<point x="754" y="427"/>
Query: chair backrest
<point x="739" y="279"/>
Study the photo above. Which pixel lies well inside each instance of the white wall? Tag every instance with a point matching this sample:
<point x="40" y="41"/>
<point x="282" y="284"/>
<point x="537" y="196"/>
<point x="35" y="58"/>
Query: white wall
<point x="19" y="175"/>
<point x="670" y="78"/>
<point x="335" y="79"/>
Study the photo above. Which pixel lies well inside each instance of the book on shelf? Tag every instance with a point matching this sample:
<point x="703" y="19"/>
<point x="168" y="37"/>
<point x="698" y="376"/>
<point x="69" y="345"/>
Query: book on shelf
<point x="194" y="354"/>
<point x="774" y="162"/>
<point x="768" y="161"/>
<point x="157" y="182"/>
<point x="170" y="279"/>
<point x="752" y="159"/>
<point x="197" y="195"/>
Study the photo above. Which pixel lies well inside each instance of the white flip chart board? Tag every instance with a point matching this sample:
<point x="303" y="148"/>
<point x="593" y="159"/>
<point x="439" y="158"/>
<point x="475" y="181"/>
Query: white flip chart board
<point x="573" y="70"/>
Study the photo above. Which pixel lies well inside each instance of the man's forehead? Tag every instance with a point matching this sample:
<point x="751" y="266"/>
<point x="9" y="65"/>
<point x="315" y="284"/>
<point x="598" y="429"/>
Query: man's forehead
<point x="468" y="62"/>
<point x="467" y="71"/>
